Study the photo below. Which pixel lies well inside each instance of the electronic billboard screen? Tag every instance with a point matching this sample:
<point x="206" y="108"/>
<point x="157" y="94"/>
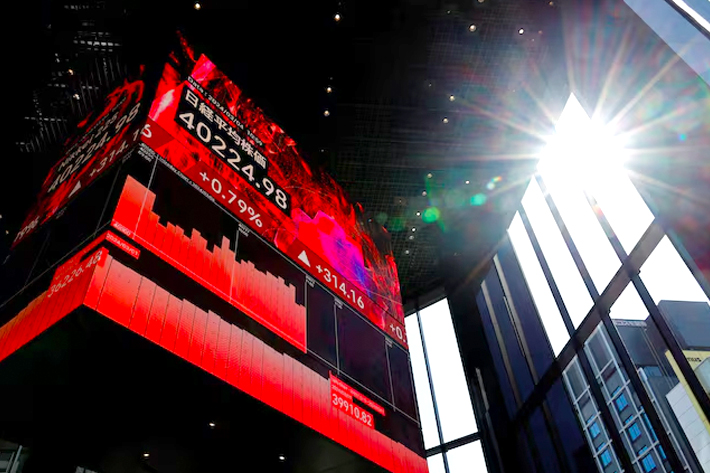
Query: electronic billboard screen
<point x="218" y="243"/>
<point x="238" y="274"/>
<point x="204" y="125"/>
<point x="100" y="140"/>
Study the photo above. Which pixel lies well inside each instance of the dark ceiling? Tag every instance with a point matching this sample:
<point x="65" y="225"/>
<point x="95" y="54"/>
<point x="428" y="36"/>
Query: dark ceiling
<point x="425" y="110"/>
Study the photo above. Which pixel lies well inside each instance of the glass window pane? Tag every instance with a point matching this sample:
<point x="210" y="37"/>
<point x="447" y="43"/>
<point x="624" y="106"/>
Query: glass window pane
<point x="667" y="277"/>
<point x="509" y="335"/>
<point x="567" y="277"/>
<point x="622" y="205"/>
<point x="628" y="306"/>
<point x="496" y="354"/>
<point x="453" y="401"/>
<point x="421" y="383"/>
<point x="584" y="228"/>
<point x="588" y="415"/>
<point x="684" y="305"/>
<point x="467" y="459"/>
<point x="544" y="301"/>
<point x="543" y="442"/>
<point x="588" y="156"/>
<point x="521" y="300"/>
<point x="436" y="463"/>
<point x="675" y="404"/>
<point x="579" y="457"/>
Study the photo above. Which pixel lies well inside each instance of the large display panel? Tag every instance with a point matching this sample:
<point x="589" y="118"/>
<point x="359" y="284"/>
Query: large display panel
<point x="202" y="123"/>
<point x="228" y="268"/>
<point x="118" y="276"/>
<point x="213" y="239"/>
<point x="100" y="140"/>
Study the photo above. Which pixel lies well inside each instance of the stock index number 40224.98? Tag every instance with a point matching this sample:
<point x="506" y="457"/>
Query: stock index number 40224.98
<point x="222" y="139"/>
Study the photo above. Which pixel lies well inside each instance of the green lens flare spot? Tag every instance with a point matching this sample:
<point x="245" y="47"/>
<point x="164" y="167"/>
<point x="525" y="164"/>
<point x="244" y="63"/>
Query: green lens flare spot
<point x="431" y="215"/>
<point x="478" y="200"/>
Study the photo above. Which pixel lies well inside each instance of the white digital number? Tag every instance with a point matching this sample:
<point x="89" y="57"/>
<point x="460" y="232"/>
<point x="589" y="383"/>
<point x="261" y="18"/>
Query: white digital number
<point x="236" y="159"/>
<point x="216" y="186"/>
<point x="188" y="119"/>
<point x="249" y="171"/>
<point x="281" y="199"/>
<point x="220" y="147"/>
<point x="206" y="135"/>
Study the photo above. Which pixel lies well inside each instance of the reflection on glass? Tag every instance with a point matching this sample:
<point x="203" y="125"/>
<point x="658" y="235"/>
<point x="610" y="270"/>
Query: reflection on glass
<point x="684" y="306"/>
<point x="421" y="383"/>
<point x="600" y="444"/>
<point x="436" y="463"/>
<point x="567" y="277"/>
<point x="535" y="278"/>
<point x="453" y="401"/>
<point x="649" y="355"/>
<point x="467" y="459"/>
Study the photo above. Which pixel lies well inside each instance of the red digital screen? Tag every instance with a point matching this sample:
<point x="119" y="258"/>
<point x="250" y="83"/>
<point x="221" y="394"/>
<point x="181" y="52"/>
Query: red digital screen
<point x="101" y="139"/>
<point x="98" y="279"/>
<point x="227" y="250"/>
<point x="204" y="126"/>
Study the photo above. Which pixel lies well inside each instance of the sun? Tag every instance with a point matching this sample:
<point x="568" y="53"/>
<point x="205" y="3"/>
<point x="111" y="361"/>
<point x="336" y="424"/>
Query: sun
<point x="582" y="151"/>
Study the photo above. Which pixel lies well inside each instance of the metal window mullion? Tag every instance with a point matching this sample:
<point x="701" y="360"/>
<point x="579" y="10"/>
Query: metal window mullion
<point x="450" y="445"/>
<point x="673" y="346"/>
<point x="617" y="343"/>
<point x="489" y="433"/>
<point x="654" y="234"/>
<point x="571" y="246"/>
<point x="522" y="340"/>
<point x="689" y="18"/>
<point x="502" y="347"/>
<point x="547" y="272"/>
<point x="606" y="415"/>
<point x="510" y="374"/>
<point x="687" y="259"/>
<point x="597" y="394"/>
<point x="641" y="392"/>
<point x="431" y="388"/>
<point x="515" y="320"/>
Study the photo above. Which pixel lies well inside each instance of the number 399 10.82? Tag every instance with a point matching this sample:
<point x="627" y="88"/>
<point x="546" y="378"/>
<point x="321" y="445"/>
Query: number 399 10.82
<point x="218" y="146"/>
<point x="355" y="411"/>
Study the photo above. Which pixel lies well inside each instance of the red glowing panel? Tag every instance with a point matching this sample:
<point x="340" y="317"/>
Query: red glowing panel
<point x="340" y="387"/>
<point x="208" y="130"/>
<point x="345" y="403"/>
<point x="67" y="290"/>
<point x="101" y="139"/>
<point x="247" y="363"/>
<point x="262" y="296"/>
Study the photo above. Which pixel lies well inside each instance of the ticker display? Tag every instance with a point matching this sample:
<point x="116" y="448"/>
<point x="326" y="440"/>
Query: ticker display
<point x="116" y="275"/>
<point x="204" y="126"/>
<point x="181" y="225"/>
<point x="214" y="240"/>
<point x="101" y="139"/>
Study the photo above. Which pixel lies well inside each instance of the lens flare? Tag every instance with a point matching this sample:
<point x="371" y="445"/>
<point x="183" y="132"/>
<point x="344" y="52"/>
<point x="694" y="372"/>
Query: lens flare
<point x="478" y="200"/>
<point x="431" y="215"/>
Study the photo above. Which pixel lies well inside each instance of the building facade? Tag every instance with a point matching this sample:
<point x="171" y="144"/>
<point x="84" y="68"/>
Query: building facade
<point x="584" y="339"/>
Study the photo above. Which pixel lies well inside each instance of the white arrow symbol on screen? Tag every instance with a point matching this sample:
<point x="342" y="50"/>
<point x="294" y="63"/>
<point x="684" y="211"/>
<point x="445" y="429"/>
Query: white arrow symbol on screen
<point x="303" y="257"/>
<point x="76" y="188"/>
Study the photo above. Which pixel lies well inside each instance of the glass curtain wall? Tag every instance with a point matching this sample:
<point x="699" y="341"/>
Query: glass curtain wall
<point x="448" y="422"/>
<point x="590" y="310"/>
